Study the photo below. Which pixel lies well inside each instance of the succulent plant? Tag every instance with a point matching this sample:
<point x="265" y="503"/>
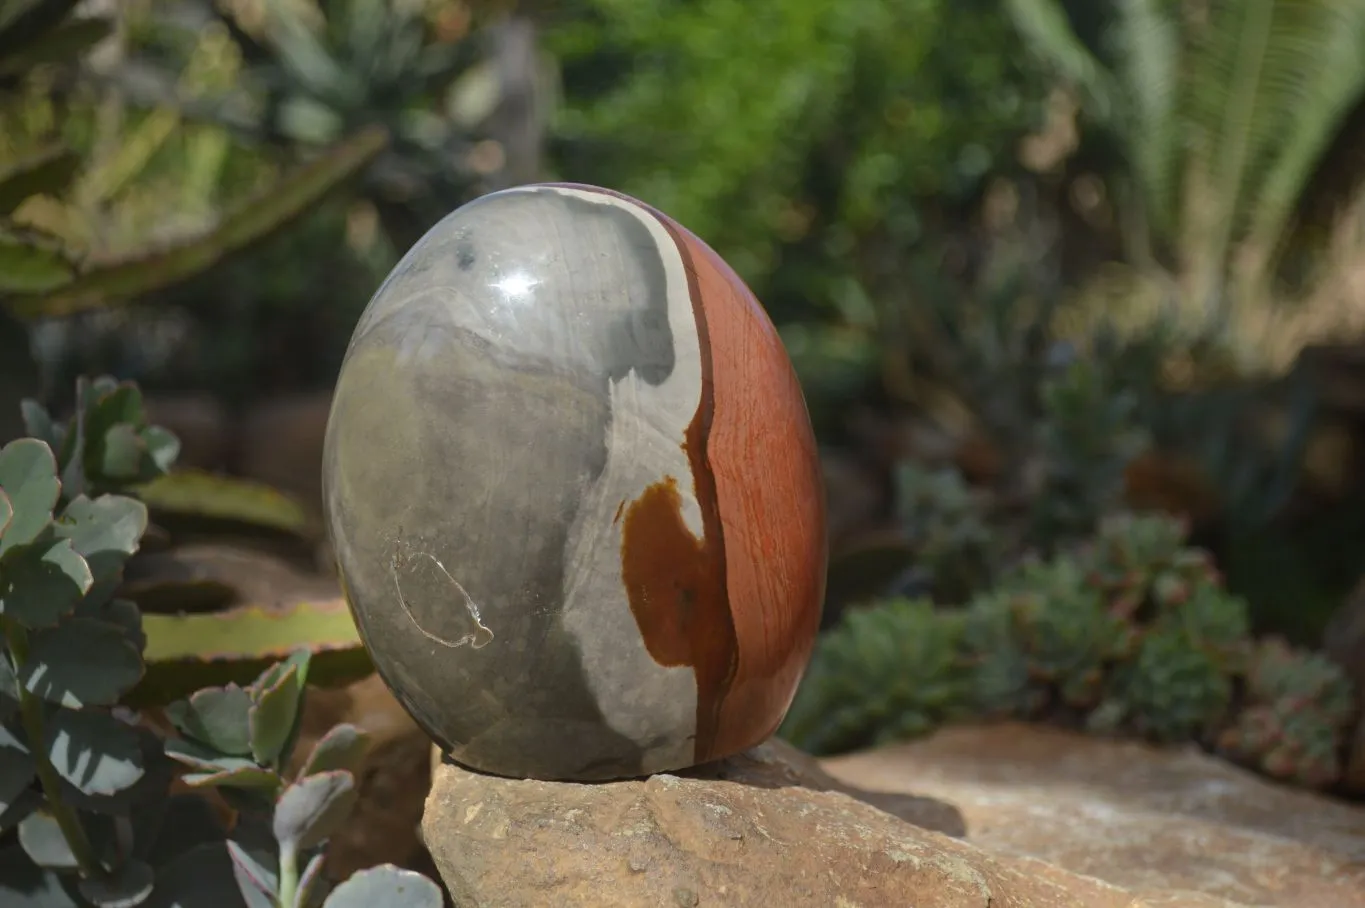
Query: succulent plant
<point x="888" y="672"/>
<point x="71" y="651"/>
<point x="1064" y="628"/>
<point x="239" y="740"/>
<point x="85" y="784"/>
<point x="1298" y="712"/>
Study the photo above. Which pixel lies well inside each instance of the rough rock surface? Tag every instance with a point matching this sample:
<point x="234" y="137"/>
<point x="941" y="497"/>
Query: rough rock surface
<point x="1153" y="821"/>
<point x="765" y="829"/>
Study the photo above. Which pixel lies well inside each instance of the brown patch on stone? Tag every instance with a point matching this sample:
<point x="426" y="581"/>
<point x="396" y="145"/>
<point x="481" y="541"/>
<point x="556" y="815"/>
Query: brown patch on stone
<point x="675" y="583"/>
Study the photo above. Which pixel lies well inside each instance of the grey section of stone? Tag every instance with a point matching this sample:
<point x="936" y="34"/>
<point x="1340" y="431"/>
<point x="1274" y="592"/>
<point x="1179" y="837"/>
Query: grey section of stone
<point x="471" y="415"/>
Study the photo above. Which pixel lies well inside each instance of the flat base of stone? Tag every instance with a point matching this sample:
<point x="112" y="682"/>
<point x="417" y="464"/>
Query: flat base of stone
<point x="767" y="828"/>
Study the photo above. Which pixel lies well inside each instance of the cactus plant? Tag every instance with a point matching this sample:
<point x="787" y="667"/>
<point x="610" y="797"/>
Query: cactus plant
<point x="1298" y="713"/>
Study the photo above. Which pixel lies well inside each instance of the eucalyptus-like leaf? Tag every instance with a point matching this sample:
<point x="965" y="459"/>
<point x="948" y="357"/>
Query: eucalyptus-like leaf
<point x="28" y="476"/>
<point x="156" y="778"/>
<point x="81" y="662"/>
<point x="273" y="714"/>
<point x="342" y="747"/>
<point x="6" y="512"/>
<point x="258" y="882"/>
<point x="216" y="716"/>
<point x="23" y="884"/>
<point x="162" y="447"/>
<point x="9" y="687"/>
<point x="248" y="778"/>
<point x="105" y="530"/>
<point x="312" y="886"/>
<point x="121" y="453"/>
<point x="110" y="403"/>
<point x="387" y="885"/>
<point x="93" y="751"/>
<point x="42" y="840"/>
<point x="120" y="612"/>
<point x="44" y="581"/>
<point x="127" y="886"/>
<point x="14" y="812"/>
<point x="16" y="767"/>
<point x="38" y="423"/>
<point x="311" y="809"/>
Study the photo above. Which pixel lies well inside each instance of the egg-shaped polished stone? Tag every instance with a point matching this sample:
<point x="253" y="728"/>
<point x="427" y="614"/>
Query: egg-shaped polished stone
<point x="573" y="491"/>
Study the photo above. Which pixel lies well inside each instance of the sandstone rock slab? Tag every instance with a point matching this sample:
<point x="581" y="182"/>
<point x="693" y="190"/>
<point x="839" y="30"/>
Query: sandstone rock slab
<point x="1158" y="822"/>
<point x="763" y="829"/>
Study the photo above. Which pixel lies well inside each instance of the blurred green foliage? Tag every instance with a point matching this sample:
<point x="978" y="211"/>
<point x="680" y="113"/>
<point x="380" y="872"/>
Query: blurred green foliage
<point x="810" y="142"/>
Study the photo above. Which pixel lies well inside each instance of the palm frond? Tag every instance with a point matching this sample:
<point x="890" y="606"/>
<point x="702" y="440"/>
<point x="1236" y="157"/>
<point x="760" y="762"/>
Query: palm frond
<point x="1044" y="25"/>
<point x="1145" y="42"/>
<point x="1318" y="79"/>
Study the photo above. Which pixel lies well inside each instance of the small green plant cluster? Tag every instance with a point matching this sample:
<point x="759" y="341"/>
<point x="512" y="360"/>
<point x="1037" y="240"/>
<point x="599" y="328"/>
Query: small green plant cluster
<point x="87" y="817"/>
<point x="1299" y="707"/>
<point x="1130" y="632"/>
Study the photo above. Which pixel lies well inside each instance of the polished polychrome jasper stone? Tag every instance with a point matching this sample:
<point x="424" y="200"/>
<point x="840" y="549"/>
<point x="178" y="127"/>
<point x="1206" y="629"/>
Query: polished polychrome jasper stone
<point x="573" y="491"/>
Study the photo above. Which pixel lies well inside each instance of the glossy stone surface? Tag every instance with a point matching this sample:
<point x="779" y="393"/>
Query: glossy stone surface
<point x="573" y="491"/>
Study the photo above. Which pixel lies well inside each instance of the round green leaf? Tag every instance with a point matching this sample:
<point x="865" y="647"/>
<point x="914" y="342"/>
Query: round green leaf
<point x="218" y="717"/>
<point x="44" y="583"/>
<point x="386" y="885"/>
<point x="24" y="884"/>
<point x="341" y="748"/>
<point x="9" y="687"/>
<point x="13" y="813"/>
<point x="16" y="769"/>
<point x="93" y="751"/>
<point x="28" y="475"/>
<point x="128" y="886"/>
<point x="81" y="662"/>
<point x="162" y="446"/>
<point x="256" y="879"/>
<point x="6" y="512"/>
<point x="38" y="422"/>
<point x="119" y="612"/>
<point x="121" y="452"/>
<point x="312" y="808"/>
<point x="273" y="715"/>
<point x="42" y="839"/>
<point x="105" y="531"/>
<point x="157" y="773"/>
